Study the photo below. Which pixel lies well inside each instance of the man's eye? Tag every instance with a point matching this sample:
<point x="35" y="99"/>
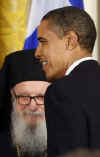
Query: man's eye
<point x="40" y="97"/>
<point x="43" y="41"/>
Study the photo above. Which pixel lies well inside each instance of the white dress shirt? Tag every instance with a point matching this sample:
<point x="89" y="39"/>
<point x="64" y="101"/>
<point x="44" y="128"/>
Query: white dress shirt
<point x="76" y="63"/>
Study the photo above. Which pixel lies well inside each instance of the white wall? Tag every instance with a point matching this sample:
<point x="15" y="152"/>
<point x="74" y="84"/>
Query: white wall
<point x="92" y="7"/>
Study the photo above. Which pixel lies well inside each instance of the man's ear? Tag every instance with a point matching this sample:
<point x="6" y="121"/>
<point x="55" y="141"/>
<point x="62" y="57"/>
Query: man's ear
<point x="71" y="40"/>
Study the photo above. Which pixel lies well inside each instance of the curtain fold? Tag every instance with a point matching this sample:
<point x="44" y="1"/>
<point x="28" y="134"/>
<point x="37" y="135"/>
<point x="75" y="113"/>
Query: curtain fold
<point x="13" y="21"/>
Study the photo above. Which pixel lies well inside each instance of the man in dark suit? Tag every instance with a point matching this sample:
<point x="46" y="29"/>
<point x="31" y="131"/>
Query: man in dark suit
<point x="22" y="118"/>
<point x="67" y="37"/>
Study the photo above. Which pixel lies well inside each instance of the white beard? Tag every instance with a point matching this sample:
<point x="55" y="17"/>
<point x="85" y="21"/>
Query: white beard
<point x="32" y="140"/>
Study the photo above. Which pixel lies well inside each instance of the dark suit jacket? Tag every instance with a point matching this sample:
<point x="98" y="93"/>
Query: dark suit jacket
<point x="73" y="110"/>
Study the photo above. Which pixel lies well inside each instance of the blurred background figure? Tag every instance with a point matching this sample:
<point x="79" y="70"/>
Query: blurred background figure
<point x="83" y="153"/>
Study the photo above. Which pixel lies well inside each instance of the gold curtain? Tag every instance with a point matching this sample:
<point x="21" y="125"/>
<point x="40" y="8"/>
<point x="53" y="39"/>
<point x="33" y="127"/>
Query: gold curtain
<point x="13" y="19"/>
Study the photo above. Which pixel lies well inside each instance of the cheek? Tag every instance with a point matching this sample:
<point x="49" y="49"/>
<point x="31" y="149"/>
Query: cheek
<point x="43" y="48"/>
<point x="41" y="108"/>
<point x="20" y="108"/>
<point x="47" y="49"/>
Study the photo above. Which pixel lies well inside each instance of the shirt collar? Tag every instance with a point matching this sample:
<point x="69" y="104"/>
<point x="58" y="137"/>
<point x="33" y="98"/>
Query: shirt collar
<point x="76" y="63"/>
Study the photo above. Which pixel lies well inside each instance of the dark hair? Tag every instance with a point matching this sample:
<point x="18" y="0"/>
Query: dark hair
<point x="70" y="18"/>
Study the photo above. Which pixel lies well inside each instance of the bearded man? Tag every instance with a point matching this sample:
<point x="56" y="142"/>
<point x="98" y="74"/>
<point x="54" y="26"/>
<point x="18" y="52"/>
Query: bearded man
<point x="23" y="85"/>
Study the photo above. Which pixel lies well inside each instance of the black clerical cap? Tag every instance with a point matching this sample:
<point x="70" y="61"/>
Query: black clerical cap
<point x="18" y="67"/>
<point x="23" y="66"/>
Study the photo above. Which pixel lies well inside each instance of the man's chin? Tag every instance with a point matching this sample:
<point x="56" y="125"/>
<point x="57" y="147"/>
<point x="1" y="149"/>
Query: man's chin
<point x="51" y="77"/>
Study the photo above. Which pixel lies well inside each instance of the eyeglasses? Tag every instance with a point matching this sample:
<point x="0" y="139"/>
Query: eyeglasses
<point x="26" y="100"/>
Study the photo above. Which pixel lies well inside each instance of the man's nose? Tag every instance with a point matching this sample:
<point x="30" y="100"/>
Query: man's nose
<point x="33" y="106"/>
<point x="37" y="53"/>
